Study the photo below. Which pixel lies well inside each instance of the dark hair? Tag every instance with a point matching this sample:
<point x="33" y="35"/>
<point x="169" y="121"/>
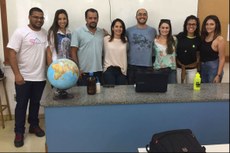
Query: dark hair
<point x="197" y="31"/>
<point x="123" y="34"/>
<point x="170" y="41"/>
<point x="91" y="10"/>
<point x="35" y="9"/>
<point x="217" y="31"/>
<point x="54" y="28"/>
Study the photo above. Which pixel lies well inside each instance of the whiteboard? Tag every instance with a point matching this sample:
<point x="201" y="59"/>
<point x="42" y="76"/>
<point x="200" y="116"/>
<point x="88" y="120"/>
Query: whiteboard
<point x="176" y="10"/>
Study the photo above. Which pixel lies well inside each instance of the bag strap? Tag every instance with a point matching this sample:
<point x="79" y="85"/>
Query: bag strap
<point x="147" y="148"/>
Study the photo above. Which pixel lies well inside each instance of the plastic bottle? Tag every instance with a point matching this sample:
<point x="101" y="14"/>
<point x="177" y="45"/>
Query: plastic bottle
<point x="91" y="84"/>
<point x="197" y="82"/>
<point x="98" y="86"/>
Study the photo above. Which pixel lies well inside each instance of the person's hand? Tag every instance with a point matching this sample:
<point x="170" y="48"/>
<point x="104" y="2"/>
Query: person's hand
<point x="80" y="74"/>
<point x="216" y="79"/>
<point x="19" y="80"/>
<point x="105" y="32"/>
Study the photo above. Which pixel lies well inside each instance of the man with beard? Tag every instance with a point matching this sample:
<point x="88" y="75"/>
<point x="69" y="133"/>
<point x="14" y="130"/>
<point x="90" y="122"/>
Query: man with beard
<point x="86" y="47"/>
<point x="140" y="37"/>
<point x="27" y="53"/>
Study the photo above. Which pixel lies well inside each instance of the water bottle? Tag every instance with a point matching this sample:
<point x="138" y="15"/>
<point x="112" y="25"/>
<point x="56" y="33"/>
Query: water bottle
<point x="98" y="86"/>
<point x="197" y="82"/>
<point x="91" y="84"/>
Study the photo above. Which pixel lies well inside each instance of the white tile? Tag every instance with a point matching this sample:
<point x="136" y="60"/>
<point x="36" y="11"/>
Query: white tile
<point x="32" y="143"/>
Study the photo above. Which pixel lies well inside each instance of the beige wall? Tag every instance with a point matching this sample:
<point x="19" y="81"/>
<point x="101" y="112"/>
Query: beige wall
<point x="219" y="8"/>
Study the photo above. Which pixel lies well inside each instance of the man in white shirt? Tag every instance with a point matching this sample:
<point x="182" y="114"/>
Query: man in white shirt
<point x="27" y="48"/>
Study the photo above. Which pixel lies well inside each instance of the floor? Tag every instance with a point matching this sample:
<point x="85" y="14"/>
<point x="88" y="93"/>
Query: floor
<point x="32" y="143"/>
<point x="36" y="144"/>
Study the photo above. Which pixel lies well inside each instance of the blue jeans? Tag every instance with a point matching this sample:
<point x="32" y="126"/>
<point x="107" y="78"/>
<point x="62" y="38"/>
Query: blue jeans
<point x="30" y="91"/>
<point x="114" y="76"/>
<point x="209" y="71"/>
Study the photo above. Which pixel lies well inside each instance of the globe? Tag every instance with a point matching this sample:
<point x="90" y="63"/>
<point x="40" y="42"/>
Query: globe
<point x="63" y="73"/>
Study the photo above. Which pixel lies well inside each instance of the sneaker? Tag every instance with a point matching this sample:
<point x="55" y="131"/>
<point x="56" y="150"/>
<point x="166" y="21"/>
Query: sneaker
<point x="18" y="140"/>
<point x="37" y="131"/>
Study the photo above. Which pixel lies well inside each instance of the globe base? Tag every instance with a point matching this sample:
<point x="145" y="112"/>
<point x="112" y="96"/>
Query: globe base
<point x="62" y="95"/>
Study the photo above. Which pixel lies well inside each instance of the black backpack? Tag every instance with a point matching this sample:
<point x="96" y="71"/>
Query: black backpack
<point x="181" y="140"/>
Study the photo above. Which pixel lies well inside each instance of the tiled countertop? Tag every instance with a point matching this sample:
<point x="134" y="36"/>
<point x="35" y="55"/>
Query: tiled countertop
<point x="127" y="95"/>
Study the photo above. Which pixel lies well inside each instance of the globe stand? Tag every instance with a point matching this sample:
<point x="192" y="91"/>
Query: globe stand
<point x="62" y="95"/>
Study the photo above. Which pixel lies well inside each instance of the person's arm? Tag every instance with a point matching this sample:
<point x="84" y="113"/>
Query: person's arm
<point x="221" y="50"/>
<point x="14" y="65"/>
<point x="48" y="56"/>
<point x="73" y="54"/>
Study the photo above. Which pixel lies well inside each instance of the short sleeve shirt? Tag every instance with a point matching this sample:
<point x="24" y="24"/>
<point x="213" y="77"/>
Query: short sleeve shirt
<point x="140" y="45"/>
<point x="90" y="47"/>
<point x="30" y="47"/>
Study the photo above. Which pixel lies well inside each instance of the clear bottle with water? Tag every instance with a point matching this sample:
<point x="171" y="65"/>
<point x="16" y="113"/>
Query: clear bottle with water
<point x="98" y="86"/>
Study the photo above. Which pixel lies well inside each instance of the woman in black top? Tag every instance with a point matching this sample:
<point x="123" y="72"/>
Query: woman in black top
<point x="188" y="50"/>
<point x="212" y="50"/>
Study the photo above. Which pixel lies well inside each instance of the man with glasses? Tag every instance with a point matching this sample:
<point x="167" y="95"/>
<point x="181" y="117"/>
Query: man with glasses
<point x="140" y="53"/>
<point x="27" y="48"/>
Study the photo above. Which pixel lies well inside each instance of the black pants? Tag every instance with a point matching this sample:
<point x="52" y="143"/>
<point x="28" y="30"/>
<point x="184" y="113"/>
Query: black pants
<point x="114" y="76"/>
<point x="30" y="91"/>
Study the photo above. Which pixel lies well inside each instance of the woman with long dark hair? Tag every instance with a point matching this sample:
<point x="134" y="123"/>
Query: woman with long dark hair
<point x="212" y="50"/>
<point x="59" y="39"/>
<point x="115" y="54"/>
<point x="165" y="50"/>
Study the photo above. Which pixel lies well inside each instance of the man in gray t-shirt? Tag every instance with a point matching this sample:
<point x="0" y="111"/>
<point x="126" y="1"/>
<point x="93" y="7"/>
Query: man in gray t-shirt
<point x="140" y="37"/>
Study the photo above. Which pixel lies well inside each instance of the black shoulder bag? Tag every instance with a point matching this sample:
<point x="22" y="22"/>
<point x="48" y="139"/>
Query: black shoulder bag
<point x="181" y="140"/>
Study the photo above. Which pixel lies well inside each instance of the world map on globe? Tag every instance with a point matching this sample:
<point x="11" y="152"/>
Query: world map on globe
<point x="63" y="73"/>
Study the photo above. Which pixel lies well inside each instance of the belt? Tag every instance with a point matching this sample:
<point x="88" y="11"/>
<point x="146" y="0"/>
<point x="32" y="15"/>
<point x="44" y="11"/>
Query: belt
<point x="183" y="69"/>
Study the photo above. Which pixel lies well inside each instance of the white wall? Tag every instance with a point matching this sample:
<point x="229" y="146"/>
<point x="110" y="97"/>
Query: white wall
<point x="17" y="16"/>
<point x="1" y="44"/>
<point x="176" y="10"/>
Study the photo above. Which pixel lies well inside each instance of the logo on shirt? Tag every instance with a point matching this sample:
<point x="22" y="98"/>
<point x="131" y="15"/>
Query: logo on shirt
<point x="35" y="41"/>
<point x="141" y="41"/>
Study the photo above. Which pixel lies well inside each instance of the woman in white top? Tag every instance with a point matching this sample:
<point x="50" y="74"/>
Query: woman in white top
<point x="165" y="51"/>
<point x="115" y="55"/>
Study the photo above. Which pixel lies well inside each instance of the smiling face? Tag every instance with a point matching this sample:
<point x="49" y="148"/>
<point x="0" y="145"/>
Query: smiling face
<point x="164" y="29"/>
<point x="210" y="26"/>
<point x="62" y="21"/>
<point x="117" y="29"/>
<point x="191" y="26"/>
<point x="36" y="20"/>
<point x="141" y="16"/>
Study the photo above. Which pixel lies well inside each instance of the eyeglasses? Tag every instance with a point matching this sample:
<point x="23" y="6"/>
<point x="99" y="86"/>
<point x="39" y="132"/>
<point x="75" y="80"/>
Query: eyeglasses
<point x="191" y="24"/>
<point x="38" y="18"/>
<point x="142" y="14"/>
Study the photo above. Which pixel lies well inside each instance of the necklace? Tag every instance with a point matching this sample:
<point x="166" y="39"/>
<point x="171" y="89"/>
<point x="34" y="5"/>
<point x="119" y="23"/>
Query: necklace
<point x="191" y="37"/>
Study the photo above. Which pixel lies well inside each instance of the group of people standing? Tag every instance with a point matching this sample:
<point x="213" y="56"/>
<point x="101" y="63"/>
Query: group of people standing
<point x="113" y="58"/>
